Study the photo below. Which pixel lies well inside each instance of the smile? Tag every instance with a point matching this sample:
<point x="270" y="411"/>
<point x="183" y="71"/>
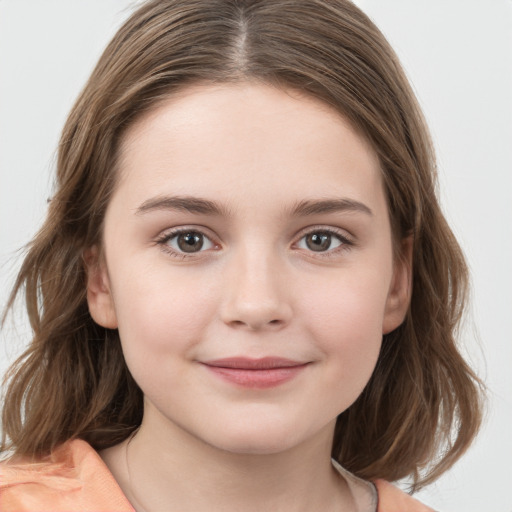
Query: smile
<point x="261" y="373"/>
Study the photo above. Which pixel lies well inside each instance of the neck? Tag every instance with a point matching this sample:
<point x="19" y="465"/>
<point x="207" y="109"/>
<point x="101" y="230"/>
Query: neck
<point x="169" y="469"/>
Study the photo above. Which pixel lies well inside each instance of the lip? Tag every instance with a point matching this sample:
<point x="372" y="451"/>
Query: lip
<point x="266" y="372"/>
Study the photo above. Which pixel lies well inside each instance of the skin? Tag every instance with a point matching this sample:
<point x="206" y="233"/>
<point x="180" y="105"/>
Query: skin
<point x="255" y="289"/>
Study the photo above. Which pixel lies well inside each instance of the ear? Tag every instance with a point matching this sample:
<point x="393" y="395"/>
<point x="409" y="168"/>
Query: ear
<point x="99" y="295"/>
<point x="400" y="291"/>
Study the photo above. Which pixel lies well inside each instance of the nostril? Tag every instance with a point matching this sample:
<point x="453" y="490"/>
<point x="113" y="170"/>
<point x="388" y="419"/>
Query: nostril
<point x="256" y="325"/>
<point x="255" y="314"/>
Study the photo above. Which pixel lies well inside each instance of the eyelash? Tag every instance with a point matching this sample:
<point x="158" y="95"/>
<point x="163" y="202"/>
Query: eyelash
<point x="346" y="242"/>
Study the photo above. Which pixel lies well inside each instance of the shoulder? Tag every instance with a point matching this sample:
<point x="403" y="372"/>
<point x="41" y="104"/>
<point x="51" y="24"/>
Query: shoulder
<point x="379" y="495"/>
<point x="392" y="499"/>
<point x="73" y="477"/>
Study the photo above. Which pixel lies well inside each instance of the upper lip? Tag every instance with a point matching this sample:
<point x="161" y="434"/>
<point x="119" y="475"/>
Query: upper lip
<point x="248" y="363"/>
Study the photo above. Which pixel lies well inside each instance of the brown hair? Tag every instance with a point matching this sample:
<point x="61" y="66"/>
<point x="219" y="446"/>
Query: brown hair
<point x="421" y="408"/>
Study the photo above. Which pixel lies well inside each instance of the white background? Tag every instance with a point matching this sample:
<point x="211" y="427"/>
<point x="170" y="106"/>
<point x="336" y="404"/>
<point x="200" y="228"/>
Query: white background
<point x="458" y="54"/>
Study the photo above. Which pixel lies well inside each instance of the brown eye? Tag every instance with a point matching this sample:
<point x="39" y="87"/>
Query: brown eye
<point x="186" y="242"/>
<point x="322" y="241"/>
<point x="190" y="242"/>
<point x="318" y="241"/>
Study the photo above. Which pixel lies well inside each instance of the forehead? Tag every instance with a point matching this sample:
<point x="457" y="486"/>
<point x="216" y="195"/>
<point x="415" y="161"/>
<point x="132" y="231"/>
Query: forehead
<point x="242" y="141"/>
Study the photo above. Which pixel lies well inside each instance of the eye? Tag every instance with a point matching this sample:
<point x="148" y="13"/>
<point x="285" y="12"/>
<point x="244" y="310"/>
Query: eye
<point x="186" y="242"/>
<point x="322" y="241"/>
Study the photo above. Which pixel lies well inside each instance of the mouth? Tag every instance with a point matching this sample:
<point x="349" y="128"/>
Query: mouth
<point x="260" y="373"/>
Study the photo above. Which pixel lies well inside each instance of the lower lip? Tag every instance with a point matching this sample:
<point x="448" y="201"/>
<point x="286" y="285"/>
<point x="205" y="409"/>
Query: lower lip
<point x="260" y="379"/>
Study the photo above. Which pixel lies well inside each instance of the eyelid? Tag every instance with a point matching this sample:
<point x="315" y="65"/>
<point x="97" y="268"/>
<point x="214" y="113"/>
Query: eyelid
<point x="162" y="239"/>
<point x="343" y="235"/>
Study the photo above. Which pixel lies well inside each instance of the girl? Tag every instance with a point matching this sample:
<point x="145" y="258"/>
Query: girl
<point x="245" y="295"/>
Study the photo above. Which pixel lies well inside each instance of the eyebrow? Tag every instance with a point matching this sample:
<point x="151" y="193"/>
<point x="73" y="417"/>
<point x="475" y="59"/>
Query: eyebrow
<point x="182" y="203"/>
<point x="304" y="208"/>
<point x="315" y="207"/>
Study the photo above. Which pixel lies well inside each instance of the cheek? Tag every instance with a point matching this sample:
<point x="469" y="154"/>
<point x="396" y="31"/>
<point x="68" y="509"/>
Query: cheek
<point x="161" y="311"/>
<point x="345" y="318"/>
<point x="351" y="303"/>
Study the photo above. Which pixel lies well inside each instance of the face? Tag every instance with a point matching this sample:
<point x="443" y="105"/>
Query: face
<point x="248" y="265"/>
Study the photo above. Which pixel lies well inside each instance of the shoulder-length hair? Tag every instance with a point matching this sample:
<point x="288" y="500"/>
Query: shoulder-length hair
<point x="422" y="407"/>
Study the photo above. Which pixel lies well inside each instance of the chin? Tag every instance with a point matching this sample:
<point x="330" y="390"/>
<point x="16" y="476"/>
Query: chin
<point x="256" y="440"/>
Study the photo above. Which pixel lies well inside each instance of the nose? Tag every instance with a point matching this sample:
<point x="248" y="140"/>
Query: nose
<point x="256" y="294"/>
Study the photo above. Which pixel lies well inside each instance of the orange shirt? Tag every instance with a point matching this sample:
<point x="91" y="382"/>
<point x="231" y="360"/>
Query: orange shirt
<point x="75" y="479"/>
